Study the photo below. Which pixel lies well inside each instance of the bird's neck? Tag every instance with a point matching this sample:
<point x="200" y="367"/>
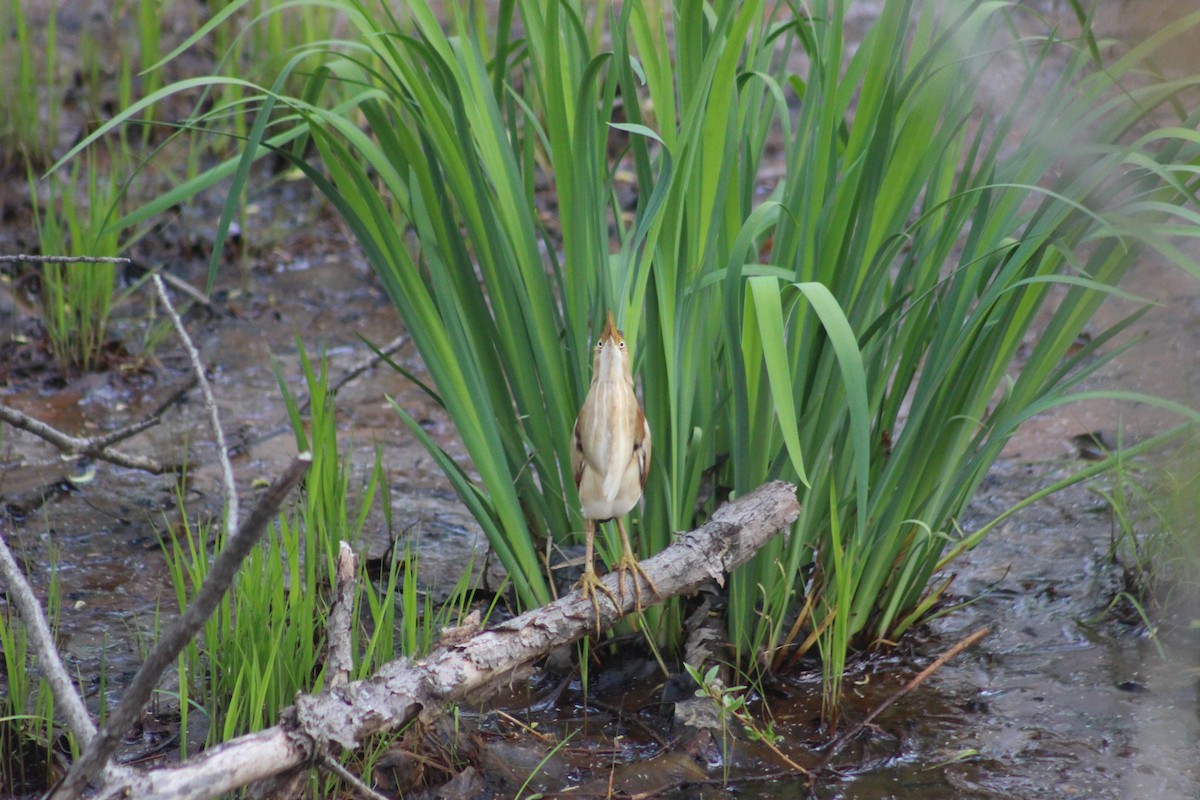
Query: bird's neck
<point x="611" y="370"/>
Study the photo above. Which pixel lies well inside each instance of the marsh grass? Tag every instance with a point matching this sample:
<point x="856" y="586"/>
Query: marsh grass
<point x="38" y="74"/>
<point x="862" y="323"/>
<point x="77" y="298"/>
<point x="267" y="641"/>
<point x="1151" y="500"/>
<point x="1176" y="495"/>
<point x="31" y="85"/>
<point x="149" y="30"/>
<point x="30" y="742"/>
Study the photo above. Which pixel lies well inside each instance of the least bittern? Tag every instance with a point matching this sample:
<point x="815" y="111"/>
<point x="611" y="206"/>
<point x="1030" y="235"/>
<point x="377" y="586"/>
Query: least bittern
<point x="610" y="460"/>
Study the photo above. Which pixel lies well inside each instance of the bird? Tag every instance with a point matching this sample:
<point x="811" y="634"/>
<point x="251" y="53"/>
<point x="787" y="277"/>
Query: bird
<point x="610" y="459"/>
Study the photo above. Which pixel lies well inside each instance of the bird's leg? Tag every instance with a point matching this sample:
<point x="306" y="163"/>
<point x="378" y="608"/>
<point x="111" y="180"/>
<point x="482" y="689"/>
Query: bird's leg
<point x="588" y="582"/>
<point x="629" y="564"/>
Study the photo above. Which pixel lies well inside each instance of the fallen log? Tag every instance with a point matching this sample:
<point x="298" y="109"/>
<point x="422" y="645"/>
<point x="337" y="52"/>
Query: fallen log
<point x="405" y="690"/>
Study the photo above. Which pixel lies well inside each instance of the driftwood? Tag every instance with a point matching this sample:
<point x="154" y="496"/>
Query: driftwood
<point x="224" y="568"/>
<point x="339" y="653"/>
<point x="240" y="540"/>
<point x="403" y="691"/>
<point x="210" y="406"/>
<point x="94" y="447"/>
<point x="68" y="701"/>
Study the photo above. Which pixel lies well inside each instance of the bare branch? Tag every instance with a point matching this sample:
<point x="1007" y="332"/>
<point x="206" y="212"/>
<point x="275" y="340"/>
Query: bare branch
<point x="838" y="743"/>
<point x="339" y="661"/>
<point x="66" y="697"/>
<point x="98" y="446"/>
<point x="24" y="259"/>
<point x="220" y="576"/>
<point x="95" y="447"/>
<point x="330" y="763"/>
<point x="150" y="421"/>
<point x="402" y="691"/>
<point x="176" y="282"/>
<point x="210" y="404"/>
<point x="363" y="365"/>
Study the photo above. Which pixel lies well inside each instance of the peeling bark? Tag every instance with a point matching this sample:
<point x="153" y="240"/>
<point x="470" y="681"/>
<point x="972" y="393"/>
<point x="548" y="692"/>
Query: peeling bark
<point x="225" y="566"/>
<point x="338" y="659"/>
<point x="403" y="691"/>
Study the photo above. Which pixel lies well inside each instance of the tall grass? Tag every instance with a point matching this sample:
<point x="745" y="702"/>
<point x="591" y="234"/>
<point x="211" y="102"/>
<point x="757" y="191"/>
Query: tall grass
<point x="31" y="85"/>
<point x="1152" y="504"/>
<point x="77" y="298"/>
<point x="853" y="324"/>
<point x="267" y="641"/>
<point x="29" y="740"/>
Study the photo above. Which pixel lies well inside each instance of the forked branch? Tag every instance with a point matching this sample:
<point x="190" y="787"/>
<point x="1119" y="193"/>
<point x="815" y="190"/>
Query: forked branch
<point x="402" y="691"/>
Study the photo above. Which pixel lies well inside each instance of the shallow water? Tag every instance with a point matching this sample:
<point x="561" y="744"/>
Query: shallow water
<point x="1059" y="699"/>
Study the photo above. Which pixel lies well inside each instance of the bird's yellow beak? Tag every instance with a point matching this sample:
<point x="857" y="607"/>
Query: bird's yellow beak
<point x="610" y="330"/>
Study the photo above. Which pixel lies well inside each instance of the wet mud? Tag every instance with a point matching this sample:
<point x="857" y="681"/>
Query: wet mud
<point x="1060" y="696"/>
<point x="1067" y="696"/>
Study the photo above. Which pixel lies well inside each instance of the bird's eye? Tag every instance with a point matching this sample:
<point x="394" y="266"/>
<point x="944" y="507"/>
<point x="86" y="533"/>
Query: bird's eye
<point x="600" y="345"/>
<point x="622" y="344"/>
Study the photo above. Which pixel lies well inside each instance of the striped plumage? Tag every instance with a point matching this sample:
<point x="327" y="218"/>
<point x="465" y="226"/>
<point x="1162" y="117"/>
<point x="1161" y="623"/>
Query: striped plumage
<point x="612" y="439"/>
<point x="611" y="456"/>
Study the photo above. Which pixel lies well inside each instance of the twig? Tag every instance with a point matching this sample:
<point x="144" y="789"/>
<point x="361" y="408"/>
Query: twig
<point x="350" y="374"/>
<point x="210" y="404"/>
<point x="178" y="283"/>
<point x="365" y="364"/>
<point x="839" y="742"/>
<point x="150" y="421"/>
<point x="24" y="259"/>
<point x="174" y="281"/>
<point x="224" y="568"/>
<point x="402" y="691"/>
<point x="330" y="763"/>
<point x="66" y="697"/>
<point x="95" y="447"/>
<point x="338" y="660"/>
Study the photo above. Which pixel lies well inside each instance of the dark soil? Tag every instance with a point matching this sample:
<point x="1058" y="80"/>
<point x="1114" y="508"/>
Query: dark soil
<point x="1068" y="696"/>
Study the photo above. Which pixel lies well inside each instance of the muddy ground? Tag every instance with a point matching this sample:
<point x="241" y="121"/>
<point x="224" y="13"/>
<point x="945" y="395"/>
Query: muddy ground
<point x="1067" y="695"/>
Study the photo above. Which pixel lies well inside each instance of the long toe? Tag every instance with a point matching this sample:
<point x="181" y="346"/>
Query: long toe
<point x="589" y="585"/>
<point x="629" y="566"/>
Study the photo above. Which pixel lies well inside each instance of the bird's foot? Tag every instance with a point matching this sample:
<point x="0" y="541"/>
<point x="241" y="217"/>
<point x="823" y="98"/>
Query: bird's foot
<point x="628" y="565"/>
<point x="589" y="584"/>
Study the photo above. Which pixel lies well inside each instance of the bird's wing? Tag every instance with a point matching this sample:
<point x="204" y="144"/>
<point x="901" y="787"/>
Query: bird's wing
<point x="577" y="452"/>
<point x="641" y="447"/>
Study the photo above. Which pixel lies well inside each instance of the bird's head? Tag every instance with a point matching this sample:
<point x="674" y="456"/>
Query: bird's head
<point x="612" y="356"/>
